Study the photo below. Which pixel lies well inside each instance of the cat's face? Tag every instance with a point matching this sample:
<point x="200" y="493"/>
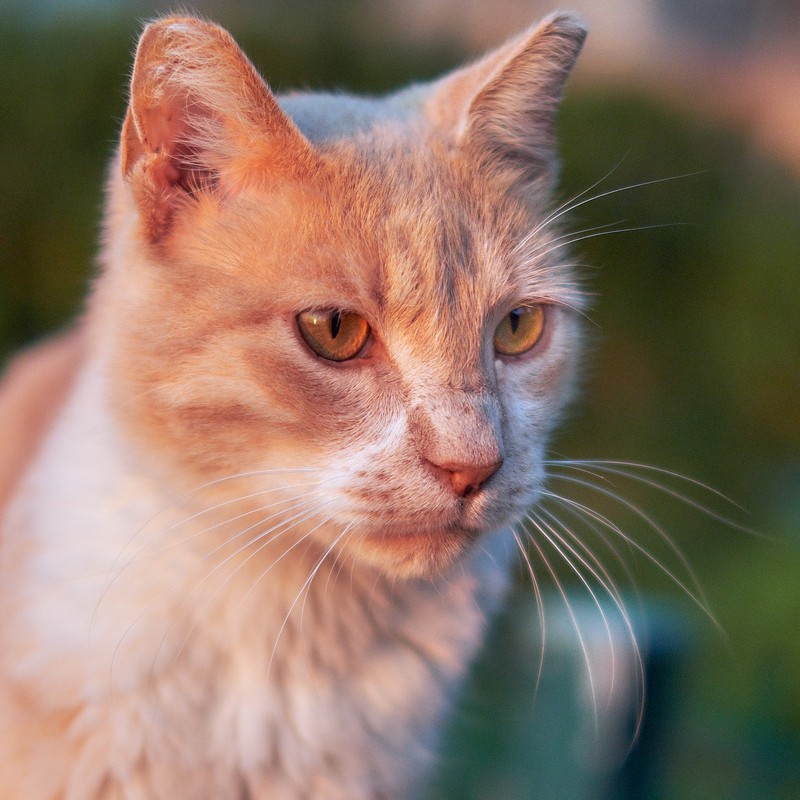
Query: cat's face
<point x="381" y="326"/>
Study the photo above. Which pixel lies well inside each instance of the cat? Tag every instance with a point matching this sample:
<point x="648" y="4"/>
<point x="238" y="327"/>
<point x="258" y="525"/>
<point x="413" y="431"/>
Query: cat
<point x="259" y="504"/>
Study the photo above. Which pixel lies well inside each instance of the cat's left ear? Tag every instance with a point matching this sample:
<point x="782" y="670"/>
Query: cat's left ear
<point x="502" y="108"/>
<point x="201" y="119"/>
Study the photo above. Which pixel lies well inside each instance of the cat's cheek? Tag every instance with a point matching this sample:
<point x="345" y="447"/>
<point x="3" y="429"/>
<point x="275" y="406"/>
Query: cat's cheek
<point x="395" y="494"/>
<point x="545" y="379"/>
<point x="316" y="401"/>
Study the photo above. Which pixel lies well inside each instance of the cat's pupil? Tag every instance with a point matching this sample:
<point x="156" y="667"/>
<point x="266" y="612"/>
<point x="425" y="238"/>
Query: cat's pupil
<point x="513" y="319"/>
<point x="336" y="323"/>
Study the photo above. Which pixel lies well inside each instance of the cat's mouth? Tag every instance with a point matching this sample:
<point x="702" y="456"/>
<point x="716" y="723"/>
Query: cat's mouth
<point x="413" y="551"/>
<point x="421" y="540"/>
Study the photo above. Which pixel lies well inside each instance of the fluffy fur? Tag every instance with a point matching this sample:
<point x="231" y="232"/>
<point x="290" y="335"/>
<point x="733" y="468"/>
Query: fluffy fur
<point x="229" y="567"/>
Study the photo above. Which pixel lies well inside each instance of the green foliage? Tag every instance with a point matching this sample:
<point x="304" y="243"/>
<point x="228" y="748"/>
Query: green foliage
<point x="61" y="92"/>
<point x="695" y="368"/>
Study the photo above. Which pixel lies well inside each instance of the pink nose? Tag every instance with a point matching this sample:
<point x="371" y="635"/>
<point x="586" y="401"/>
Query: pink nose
<point x="464" y="479"/>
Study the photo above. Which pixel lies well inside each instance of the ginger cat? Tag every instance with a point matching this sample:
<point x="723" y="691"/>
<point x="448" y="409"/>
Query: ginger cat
<point x="257" y="507"/>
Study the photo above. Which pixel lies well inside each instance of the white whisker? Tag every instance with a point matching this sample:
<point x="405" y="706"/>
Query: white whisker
<point x="552" y="538"/>
<point x="267" y="541"/>
<point x="552" y="242"/>
<point x="647" y="519"/>
<point x="568" y="240"/>
<point x="165" y="547"/>
<point x="595" y="528"/>
<point x="304" y="538"/>
<point x="627" y="469"/>
<point x="539" y="599"/>
<point x="264" y="536"/>
<point x="570" y="206"/>
<point x="604" y="579"/>
<point x="695" y="595"/>
<point x="113" y="572"/>
<point x="303" y="588"/>
<point x="575" y="623"/>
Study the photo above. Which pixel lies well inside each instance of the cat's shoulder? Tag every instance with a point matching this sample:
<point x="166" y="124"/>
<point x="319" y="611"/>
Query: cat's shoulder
<point x="32" y="390"/>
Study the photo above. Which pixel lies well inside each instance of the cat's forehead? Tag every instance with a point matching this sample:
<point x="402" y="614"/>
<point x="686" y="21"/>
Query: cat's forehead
<point x="443" y="235"/>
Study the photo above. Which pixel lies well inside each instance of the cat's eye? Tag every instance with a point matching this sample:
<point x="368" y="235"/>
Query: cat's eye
<point x="519" y="330"/>
<point x="333" y="334"/>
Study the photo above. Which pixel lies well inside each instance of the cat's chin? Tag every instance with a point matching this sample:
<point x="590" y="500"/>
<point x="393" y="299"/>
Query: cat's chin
<point x="410" y="554"/>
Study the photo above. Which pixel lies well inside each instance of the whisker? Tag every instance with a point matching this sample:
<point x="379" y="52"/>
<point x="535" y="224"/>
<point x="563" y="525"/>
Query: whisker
<point x="698" y="598"/>
<point x="112" y="570"/>
<point x="542" y="528"/>
<point x="265" y="543"/>
<point x="304" y="538"/>
<point x="647" y="519"/>
<point x="338" y="564"/>
<point x="569" y="207"/>
<point x="226" y="582"/>
<point x="627" y="469"/>
<point x="240" y="498"/>
<point x="575" y="623"/>
<point x="568" y="239"/>
<point x="165" y="547"/>
<point x="264" y="537"/>
<point x="268" y="535"/>
<point x="303" y="588"/>
<point x="589" y="523"/>
<point x="605" y="580"/>
<point x="522" y="246"/>
<point x="539" y="599"/>
<point x="222" y="523"/>
<point x="582" y="312"/>
<point x="614" y="495"/>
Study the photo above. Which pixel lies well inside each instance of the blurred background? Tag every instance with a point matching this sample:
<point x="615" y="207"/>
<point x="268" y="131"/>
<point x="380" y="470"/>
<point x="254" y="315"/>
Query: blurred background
<point x="694" y="363"/>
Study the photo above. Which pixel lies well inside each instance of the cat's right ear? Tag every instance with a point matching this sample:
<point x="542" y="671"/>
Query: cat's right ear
<point x="501" y="109"/>
<point x="200" y="119"/>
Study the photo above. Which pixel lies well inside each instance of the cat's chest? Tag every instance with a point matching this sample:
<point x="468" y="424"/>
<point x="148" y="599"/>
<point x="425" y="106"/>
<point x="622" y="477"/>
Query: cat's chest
<point x="296" y="694"/>
<point x="347" y="666"/>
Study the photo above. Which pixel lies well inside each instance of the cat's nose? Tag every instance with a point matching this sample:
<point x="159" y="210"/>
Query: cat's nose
<point x="464" y="479"/>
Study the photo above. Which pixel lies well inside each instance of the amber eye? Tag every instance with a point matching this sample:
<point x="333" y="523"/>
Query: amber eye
<point x="332" y="334"/>
<point x="519" y="330"/>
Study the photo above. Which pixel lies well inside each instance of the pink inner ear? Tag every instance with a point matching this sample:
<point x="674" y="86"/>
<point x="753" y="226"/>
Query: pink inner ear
<point x="164" y="124"/>
<point x="165" y="174"/>
<point x="171" y="128"/>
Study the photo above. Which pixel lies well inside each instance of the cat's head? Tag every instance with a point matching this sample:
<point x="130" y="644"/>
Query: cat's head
<point x="363" y="301"/>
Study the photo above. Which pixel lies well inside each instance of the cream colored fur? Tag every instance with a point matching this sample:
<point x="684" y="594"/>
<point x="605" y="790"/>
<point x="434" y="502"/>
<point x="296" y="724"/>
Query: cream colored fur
<point x="229" y="568"/>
